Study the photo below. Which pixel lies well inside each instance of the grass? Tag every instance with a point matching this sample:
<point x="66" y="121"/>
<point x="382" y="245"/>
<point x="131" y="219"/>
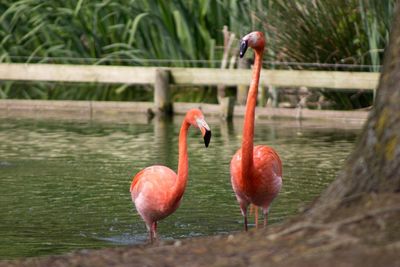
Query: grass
<point x="184" y="34"/>
<point x="352" y="32"/>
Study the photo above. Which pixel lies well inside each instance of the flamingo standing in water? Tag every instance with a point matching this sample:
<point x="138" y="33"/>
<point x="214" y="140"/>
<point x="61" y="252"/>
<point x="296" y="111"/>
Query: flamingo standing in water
<point x="157" y="190"/>
<point x="256" y="171"/>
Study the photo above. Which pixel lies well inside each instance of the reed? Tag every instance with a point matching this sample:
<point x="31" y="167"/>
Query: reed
<point x="351" y="32"/>
<point x="180" y="33"/>
<point x="109" y="32"/>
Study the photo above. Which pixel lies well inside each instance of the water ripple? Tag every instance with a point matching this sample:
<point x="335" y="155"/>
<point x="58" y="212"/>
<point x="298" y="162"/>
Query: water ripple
<point x="66" y="185"/>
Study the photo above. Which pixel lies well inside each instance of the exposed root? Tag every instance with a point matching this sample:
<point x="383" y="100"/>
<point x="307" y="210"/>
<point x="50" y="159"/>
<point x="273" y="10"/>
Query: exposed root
<point x="333" y="227"/>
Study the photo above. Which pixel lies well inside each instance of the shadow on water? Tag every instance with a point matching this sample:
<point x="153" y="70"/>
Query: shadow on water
<point x="125" y="239"/>
<point x="5" y="164"/>
<point x="65" y="184"/>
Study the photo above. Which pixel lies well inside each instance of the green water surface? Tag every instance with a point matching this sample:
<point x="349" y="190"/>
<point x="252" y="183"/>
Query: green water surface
<point x="65" y="184"/>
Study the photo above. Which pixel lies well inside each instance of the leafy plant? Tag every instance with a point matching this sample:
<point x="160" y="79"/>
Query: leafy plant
<point x="185" y="34"/>
<point x="350" y="32"/>
<point x="127" y="32"/>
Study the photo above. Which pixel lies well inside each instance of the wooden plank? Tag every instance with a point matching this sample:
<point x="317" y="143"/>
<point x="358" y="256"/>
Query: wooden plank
<point x="115" y="111"/>
<point x="187" y="76"/>
<point x="77" y="73"/>
<point x="325" y="79"/>
<point x="204" y="76"/>
<point x="279" y="78"/>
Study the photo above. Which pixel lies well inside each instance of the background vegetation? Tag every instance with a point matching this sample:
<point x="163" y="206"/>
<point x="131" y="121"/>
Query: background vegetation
<point x="187" y="33"/>
<point x="343" y="35"/>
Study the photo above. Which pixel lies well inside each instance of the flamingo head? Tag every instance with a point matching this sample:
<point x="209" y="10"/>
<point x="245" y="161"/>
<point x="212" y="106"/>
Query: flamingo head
<point x="255" y="40"/>
<point x="196" y="118"/>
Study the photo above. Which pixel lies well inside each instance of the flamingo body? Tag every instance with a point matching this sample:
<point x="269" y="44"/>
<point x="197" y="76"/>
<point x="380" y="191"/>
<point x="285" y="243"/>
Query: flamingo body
<point x="256" y="171"/>
<point x="157" y="190"/>
<point x="266" y="177"/>
<point x="149" y="192"/>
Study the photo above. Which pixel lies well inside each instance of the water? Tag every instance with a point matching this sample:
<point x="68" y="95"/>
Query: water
<point x="65" y="184"/>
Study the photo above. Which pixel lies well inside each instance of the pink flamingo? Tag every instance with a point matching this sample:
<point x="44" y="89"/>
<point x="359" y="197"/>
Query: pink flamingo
<point x="256" y="171"/>
<point x="157" y="190"/>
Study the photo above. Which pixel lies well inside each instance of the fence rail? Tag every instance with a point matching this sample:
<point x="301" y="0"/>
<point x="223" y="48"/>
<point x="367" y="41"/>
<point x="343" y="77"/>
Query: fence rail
<point x="186" y="76"/>
<point x="336" y="80"/>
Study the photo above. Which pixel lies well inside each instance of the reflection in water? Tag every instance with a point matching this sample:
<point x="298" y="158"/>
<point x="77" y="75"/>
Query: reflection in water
<point x="65" y="185"/>
<point x="163" y="132"/>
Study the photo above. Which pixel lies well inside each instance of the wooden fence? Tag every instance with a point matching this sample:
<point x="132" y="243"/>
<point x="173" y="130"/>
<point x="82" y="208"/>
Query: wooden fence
<point x="187" y="76"/>
<point x="161" y="78"/>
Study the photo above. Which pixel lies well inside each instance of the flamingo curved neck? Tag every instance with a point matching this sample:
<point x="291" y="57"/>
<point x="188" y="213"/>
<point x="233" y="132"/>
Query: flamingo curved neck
<point x="183" y="163"/>
<point x="248" y="127"/>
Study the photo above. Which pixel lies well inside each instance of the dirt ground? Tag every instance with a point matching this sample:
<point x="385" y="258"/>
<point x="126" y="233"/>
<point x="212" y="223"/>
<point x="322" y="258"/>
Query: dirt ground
<point x="363" y="232"/>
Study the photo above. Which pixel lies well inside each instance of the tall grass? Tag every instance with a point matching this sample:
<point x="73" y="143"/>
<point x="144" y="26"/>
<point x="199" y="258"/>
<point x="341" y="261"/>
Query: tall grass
<point x="376" y="17"/>
<point x="180" y="33"/>
<point x="351" y="32"/>
<point x="126" y="32"/>
<point x="121" y="32"/>
<point x="324" y="31"/>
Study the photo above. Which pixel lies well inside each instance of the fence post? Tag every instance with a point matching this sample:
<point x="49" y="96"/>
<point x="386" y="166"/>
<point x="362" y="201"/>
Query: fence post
<point x="274" y="95"/>
<point x="262" y="95"/>
<point x="227" y="105"/>
<point x="162" y="98"/>
<point x="242" y="90"/>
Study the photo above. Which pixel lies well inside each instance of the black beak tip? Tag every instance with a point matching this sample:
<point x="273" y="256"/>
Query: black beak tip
<point x="207" y="138"/>
<point x="243" y="48"/>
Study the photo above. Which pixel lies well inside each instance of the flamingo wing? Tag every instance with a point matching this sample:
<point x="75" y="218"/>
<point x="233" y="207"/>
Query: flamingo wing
<point x="151" y="192"/>
<point x="266" y="179"/>
<point x="267" y="174"/>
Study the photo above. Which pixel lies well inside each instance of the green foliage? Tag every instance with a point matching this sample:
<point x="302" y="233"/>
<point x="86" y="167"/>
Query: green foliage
<point x="184" y="34"/>
<point x="127" y="32"/>
<point x="324" y="31"/>
<point x="353" y="32"/>
<point x="113" y="31"/>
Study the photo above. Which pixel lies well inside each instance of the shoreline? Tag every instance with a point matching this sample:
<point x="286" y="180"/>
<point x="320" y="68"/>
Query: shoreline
<point x="125" y="111"/>
<point x="295" y="242"/>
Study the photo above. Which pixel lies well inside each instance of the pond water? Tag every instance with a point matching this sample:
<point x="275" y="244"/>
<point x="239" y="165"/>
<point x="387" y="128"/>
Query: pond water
<point x="65" y="184"/>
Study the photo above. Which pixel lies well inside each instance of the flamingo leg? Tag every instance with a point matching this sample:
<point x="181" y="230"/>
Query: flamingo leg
<point x="254" y="209"/>
<point x="151" y="235"/>
<point x="256" y="215"/>
<point x="265" y="219"/>
<point x="243" y="209"/>
<point x="155" y="230"/>
<point x="152" y="232"/>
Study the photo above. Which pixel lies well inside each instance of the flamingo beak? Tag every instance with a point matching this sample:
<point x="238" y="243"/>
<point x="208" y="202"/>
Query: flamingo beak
<point x="205" y="131"/>
<point x="243" y="48"/>
<point x="207" y="137"/>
